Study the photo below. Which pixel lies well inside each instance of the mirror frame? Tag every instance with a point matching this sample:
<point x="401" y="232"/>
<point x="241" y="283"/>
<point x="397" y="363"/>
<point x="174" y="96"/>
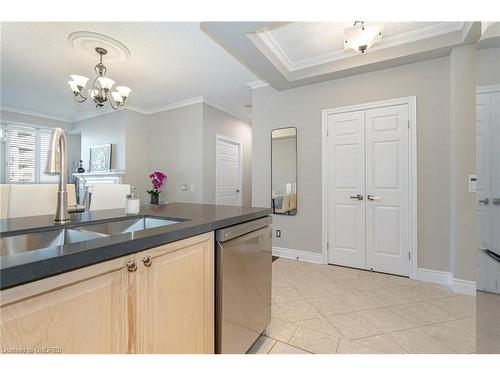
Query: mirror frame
<point x="296" y="169"/>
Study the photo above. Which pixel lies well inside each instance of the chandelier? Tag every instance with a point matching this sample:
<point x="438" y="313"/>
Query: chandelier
<point x="362" y="36"/>
<point x="100" y="92"/>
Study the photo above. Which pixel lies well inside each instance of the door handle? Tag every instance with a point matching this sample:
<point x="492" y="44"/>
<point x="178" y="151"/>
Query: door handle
<point x="237" y="190"/>
<point x="496" y="201"/>
<point x="485" y="201"/>
<point x="372" y="197"/>
<point x="359" y="197"/>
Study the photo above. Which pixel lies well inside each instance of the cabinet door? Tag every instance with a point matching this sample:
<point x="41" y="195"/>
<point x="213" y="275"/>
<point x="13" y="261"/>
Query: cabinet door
<point x="82" y="311"/>
<point x="175" y="297"/>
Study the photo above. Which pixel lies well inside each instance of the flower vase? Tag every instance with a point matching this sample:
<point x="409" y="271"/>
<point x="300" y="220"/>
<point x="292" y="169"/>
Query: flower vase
<point x="155" y="198"/>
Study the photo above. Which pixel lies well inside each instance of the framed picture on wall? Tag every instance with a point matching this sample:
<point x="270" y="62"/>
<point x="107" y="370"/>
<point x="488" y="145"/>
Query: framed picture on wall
<point x="100" y="158"/>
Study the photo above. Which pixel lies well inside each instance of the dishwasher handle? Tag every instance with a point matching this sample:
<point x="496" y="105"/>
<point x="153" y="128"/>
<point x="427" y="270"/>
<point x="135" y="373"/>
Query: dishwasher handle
<point x="239" y="230"/>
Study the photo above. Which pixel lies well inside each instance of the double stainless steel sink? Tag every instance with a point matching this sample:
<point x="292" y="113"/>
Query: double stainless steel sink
<point x="63" y="236"/>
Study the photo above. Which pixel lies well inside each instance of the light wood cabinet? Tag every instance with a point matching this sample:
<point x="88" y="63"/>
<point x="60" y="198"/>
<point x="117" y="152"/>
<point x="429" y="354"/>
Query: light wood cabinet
<point x="165" y="305"/>
<point x="175" y="297"/>
<point x="83" y="311"/>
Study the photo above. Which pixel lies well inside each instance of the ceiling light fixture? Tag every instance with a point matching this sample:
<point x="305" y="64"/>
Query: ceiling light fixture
<point x="362" y="36"/>
<point x="100" y="92"/>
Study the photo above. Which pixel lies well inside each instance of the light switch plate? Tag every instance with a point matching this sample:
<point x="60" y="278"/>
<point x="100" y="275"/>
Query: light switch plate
<point x="191" y="187"/>
<point x="472" y="183"/>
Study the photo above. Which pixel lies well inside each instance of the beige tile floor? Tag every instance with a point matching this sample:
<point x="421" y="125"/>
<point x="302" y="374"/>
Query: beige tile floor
<point x="329" y="309"/>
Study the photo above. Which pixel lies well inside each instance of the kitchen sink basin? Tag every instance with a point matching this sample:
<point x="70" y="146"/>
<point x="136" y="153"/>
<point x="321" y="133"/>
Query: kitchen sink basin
<point x="40" y="240"/>
<point x="129" y="225"/>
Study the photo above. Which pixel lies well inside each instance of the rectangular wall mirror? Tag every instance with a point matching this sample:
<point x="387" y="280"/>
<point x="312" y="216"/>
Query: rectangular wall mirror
<point x="284" y="171"/>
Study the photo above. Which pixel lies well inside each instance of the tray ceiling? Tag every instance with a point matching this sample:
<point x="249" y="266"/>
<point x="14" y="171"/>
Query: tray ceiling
<point x="293" y="54"/>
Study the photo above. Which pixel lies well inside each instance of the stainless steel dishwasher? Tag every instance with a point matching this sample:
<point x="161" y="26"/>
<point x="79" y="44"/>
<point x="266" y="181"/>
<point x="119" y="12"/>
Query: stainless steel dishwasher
<point x="242" y="284"/>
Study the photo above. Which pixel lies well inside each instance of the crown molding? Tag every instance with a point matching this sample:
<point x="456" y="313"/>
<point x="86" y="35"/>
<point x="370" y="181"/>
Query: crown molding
<point x="267" y="38"/>
<point x="226" y="110"/>
<point x="167" y="107"/>
<point x="257" y="84"/>
<point x="102" y="112"/>
<point x="35" y="113"/>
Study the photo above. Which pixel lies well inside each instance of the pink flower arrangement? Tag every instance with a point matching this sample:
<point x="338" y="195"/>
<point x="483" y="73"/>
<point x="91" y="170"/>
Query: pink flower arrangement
<point x="157" y="179"/>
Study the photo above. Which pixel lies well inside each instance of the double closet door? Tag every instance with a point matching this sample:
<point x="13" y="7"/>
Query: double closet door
<point x="368" y="189"/>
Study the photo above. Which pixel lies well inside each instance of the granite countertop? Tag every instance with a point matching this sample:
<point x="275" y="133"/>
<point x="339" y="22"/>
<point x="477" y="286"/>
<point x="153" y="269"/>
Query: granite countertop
<point x="23" y="267"/>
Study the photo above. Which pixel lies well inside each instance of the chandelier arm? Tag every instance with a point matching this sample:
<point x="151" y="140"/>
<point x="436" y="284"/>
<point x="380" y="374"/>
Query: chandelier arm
<point x="80" y="101"/>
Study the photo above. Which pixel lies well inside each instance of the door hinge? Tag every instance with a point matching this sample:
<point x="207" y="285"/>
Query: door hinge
<point x="409" y="256"/>
<point x="327" y="132"/>
<point x="328" y="245"/>
<point x="408" y="124"/>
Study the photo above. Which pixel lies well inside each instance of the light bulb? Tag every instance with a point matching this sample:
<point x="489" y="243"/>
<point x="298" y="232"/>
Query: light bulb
<point x="106" y="83"/>
<point x="80" y="81"/>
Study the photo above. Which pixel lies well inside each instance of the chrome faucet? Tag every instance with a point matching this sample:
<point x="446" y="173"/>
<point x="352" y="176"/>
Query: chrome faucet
<point x="57" y="165"/>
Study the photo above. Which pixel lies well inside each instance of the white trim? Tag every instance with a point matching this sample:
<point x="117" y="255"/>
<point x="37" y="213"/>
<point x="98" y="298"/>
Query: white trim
<point x="179" y="104"/>
<point x="433" y="276"/>
<point x="257" y="84"/>
<point x="240" y="167"/>
<point x="463" y="286"/>
<point x="487" y="89"/>
<point x="34" y="113"/>
<point x="225" y="109"/>
<point x="446" y="278"/>
<point x="411" y="101"/>
<point x="167" y="107"/>
<point x="305" y="256"/>
<point x="267" y="37"/>
<point x="96" y="113"/>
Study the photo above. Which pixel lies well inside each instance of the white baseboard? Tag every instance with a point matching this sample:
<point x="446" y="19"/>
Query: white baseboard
<point x="432" y="276"/>
<point x="305" y="256"/>
<point x="464" y="287"/>
<point x="446" y="278"/>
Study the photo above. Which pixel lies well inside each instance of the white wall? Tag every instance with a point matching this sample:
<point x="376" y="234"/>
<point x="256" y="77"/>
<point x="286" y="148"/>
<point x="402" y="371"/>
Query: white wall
<point x="175" y="148"/>
<point x="215" y="122"/>
<point x="488" y="66"/>
<point x="301" y="107"/>
<point x="108" y="128"/>
<point x="463" y="150"/>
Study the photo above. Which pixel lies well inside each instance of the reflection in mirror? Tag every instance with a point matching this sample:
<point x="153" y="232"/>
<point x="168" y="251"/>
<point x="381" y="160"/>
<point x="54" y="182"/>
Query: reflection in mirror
<point x="488" y="188"/>
<point x="284" y="171"/>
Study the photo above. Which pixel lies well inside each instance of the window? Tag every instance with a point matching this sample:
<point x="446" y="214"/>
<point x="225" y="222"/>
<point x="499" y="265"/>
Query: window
<point x="26" y="155"/>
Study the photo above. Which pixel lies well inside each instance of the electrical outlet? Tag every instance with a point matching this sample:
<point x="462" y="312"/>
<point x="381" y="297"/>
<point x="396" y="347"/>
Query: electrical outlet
<point x="184" y="187"/>
<point x="278" y="232"/>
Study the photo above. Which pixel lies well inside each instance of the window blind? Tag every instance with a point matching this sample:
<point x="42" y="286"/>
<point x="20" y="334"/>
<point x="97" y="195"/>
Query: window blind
<point x="22" y="155"/>
<point x="44" y="147"/>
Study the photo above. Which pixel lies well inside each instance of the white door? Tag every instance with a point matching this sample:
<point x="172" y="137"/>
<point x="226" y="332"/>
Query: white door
<point x="228" y="172"/>
<point x="368" y="156"/>
<point x="495" y="170"/>
<point x="346" y="180"/>
<point x="483" y="152"/>
<point x="387" y="189"/>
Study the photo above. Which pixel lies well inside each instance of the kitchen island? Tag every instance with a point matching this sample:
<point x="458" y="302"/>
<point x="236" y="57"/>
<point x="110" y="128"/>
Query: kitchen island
<point x="132" y="290"/>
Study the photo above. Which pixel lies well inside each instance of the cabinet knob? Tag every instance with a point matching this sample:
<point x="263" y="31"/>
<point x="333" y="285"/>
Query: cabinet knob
<point x="131" y="266"/>
<point x="147" y="261"/>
